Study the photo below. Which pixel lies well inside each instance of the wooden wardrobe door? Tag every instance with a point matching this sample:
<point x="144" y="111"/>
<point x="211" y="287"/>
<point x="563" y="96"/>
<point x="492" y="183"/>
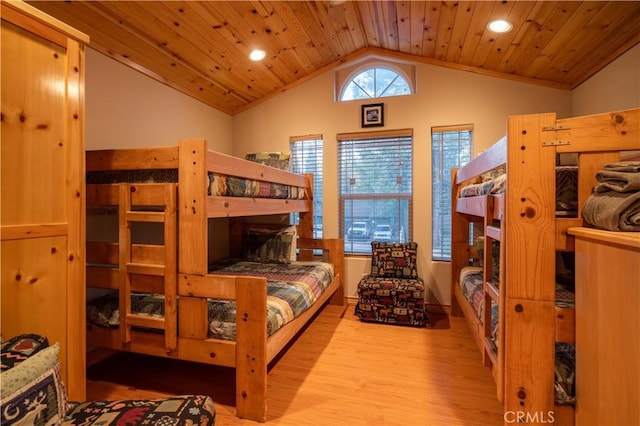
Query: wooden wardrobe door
<point x="42" y="204"/>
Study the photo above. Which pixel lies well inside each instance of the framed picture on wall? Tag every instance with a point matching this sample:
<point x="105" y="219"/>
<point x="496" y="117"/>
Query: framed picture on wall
<point x="373" y="115"/>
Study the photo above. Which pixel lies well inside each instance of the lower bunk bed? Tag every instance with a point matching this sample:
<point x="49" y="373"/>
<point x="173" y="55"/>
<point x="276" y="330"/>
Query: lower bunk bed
<point x="470" y="295"/>
<point x="240" y="315"/>
<point x="292" y="289"/>
<point x="539" y="154"/>
<point x="166" y="213"/>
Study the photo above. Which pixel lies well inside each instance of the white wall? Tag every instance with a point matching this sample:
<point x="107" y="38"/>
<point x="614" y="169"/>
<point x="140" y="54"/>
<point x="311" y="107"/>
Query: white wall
<point x="445" y="97"/>
<point x="125" y="108"/>
<point x="615" y="87"/>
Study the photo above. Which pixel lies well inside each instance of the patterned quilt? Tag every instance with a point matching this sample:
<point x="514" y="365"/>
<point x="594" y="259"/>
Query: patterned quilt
<point x="170" y="411"/>
<point x="218" y="185"/>
<point x="291" y="289"/>
<point x="30" y="367"/>
<point x="471" y="285"/>
<point x="496" y="185"/>
<point x="221" y="185"/>
<point x="566" y="187"/>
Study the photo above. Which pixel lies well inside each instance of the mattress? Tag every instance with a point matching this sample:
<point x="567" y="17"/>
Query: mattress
<point x="218" y="185"/>
<point x="566" y="187"/>
<point x="472" y="290"/>
<point x="291" y="290"/>
<point x="565" y="374"/>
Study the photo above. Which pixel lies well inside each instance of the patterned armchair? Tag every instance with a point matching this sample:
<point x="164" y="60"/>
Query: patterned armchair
<point x="393" y="293"/>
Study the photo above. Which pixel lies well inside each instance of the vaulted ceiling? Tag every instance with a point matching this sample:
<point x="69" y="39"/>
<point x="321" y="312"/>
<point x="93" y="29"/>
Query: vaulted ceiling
<point x="201" y="47"/>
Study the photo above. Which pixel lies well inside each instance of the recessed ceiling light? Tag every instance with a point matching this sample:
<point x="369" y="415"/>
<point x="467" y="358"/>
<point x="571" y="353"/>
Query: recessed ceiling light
<point x="257" y="55"/>
<point x="500" y="26"/>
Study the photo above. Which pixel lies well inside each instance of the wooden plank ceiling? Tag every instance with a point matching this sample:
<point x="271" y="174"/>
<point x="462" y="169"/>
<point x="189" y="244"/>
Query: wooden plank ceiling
<point x="201" y="47"/>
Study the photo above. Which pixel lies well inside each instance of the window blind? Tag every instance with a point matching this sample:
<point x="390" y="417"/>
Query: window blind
<point x="452" y="146"/>
<point x="306" y="157"/>
<point x="375" y="174"/>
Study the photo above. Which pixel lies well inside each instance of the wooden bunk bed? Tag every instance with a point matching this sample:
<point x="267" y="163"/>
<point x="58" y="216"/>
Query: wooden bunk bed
<point x="178" y="266"/>
<point x="529" y="320"/>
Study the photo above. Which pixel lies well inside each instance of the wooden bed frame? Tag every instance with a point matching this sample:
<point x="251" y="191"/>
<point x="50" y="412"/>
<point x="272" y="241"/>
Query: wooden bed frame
<point x="178" y="268"/>
<point x="530" y="234"/>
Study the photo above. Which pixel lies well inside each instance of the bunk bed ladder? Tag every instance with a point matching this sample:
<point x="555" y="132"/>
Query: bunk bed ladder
<point x="148" y="268"/>
<point x="493" y="355"/>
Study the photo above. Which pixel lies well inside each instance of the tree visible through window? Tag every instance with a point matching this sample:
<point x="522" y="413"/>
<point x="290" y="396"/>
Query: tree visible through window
<point x="451" y="147"/>
<point x="306" y="157"/>
<point x="375" y="82"/>
<point x="375" y="189"/>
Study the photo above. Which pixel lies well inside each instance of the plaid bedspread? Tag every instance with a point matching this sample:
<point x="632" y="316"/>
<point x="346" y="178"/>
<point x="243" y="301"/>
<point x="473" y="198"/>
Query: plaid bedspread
<point x="221" y="185"/>
<point x="471" y="285"/>
<point x="291" y="289"/>
<point x="566" y="187"/>
<point x="218" y="185"/>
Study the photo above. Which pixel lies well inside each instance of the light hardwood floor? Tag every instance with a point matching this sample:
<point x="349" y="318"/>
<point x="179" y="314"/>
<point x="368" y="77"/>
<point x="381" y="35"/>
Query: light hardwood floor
<point x="339" y="371"/>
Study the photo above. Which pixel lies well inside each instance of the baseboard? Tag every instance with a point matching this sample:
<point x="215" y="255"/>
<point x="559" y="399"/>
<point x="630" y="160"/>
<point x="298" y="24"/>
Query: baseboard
<point x="431" y="307"/>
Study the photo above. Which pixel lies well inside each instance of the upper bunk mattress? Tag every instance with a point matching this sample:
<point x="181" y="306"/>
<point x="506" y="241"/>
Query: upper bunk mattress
<point x="291" y="289"/>
<point x="566" y="187"/>
<point x="218" y="185"/>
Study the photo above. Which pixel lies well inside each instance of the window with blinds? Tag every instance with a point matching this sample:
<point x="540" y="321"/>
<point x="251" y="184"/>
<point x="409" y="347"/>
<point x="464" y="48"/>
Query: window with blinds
<point x="306" y="157"/>
<point x="375" y="188"/>
<point x="451" y="146"/>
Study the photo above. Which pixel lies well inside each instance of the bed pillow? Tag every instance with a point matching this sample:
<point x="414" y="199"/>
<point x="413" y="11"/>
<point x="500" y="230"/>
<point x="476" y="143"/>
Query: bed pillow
<point x="394" y="259"/>
<point x="269" y="245"/>
<point x="279" y="160"/>
<point x="41" y="401"/>
<point x="20" y="348"/>
<point x="28" y="370"/>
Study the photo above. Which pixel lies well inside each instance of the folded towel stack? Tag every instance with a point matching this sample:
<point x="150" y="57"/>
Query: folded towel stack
<point x="615" y="202"/>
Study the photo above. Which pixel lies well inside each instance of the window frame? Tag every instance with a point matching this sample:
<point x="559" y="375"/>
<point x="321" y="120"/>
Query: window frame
<point x="441" y="190"/>
<point x="318" y="202"/>
<point x="344" y="75"/>
<point x="402" y="199"/>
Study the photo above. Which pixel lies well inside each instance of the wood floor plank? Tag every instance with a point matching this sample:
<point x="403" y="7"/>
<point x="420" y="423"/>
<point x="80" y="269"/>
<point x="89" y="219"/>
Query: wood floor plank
<point x="339" y="371"/>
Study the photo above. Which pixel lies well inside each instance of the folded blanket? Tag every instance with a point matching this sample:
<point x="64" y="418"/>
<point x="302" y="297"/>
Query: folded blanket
<point x="617" y="181"/>
<point x="614" y="211"/>
<point x="624" y="166"/>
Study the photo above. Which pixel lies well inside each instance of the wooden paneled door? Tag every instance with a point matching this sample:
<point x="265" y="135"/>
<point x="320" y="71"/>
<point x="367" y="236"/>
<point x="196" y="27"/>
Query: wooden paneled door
<point x="43" y="196"/>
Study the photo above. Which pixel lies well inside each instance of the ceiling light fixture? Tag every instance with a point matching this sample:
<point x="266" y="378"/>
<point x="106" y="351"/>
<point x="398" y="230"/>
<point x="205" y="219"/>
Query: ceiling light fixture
<point x="257" y="55"/>
<point x="500" y="26"/>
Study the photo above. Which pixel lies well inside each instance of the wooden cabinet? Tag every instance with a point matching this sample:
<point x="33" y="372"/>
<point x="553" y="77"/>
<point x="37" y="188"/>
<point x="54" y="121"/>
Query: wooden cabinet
<point x="607" y="327"/>
<point x="43" y="196"/>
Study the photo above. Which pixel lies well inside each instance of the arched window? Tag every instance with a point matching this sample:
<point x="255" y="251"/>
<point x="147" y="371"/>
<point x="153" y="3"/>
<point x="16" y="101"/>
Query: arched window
<point x="375" y="82"/>
<point x="374" y="77"/>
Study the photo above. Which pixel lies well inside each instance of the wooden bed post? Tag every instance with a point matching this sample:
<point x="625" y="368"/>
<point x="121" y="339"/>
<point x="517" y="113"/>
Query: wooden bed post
<point x="305" y="228"/>
<point x="337" y="259"/>
<point x="530" y="267"/>
<point x="459" y="245"/>
<point x="251" y="348"/>
<point x="192" y="210"/>
<point x="124" y="243"/>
